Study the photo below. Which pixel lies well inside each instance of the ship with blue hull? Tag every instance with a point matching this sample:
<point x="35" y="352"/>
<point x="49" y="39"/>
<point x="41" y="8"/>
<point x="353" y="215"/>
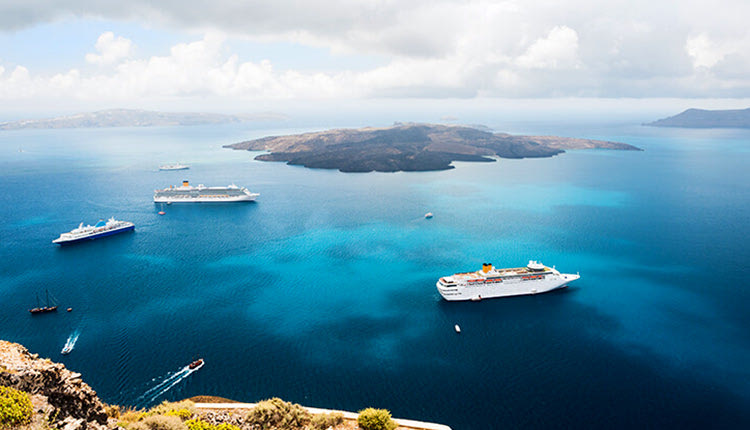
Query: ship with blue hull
<point x="89" y="232"/>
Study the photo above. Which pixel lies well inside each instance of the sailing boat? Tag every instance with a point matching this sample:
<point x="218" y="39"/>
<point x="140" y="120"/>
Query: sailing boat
<point x="48" y="307"/>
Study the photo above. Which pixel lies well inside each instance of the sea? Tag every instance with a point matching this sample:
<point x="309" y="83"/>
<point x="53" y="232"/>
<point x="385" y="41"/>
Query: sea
<point x="322" y="292"/>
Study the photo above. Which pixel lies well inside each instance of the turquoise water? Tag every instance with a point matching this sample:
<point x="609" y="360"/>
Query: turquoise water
<point x="323" y="291"/>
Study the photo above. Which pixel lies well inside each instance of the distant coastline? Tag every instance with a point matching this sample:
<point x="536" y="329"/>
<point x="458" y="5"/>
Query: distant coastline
<point x="135" y="118"/>
<point x="701" y="118"/>
<point x="410" y="147"/>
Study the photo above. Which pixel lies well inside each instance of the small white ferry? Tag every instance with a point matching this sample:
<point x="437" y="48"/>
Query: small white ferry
<point x="491" y="282"/>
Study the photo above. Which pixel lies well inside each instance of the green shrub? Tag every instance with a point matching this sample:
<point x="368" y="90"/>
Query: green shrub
<point x="278" y="413"/>
<point x="158" y="422"/>
<point x="184" y="409"/>
<point x="324" y="421"/>
<point x="112" y="411"/>
<point x="196" y="424"/>
<point x="132" y="415"/>
<point x="226" y="426"/>
<point x="182" y="414"/>
<point x="15" y="407"/>
<point x="375" y="419"/>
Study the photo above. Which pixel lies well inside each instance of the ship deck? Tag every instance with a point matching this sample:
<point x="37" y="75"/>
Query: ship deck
<point x="496" y="273"/>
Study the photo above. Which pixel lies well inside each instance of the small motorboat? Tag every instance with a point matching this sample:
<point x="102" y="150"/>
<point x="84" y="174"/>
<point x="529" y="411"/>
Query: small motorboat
<point x="458" y="329"/>
<point x="196" y="364"/>
<point x="428" y="215"/>
<point x="161" y="212"/>
<point x="70" y="309"/>
<point x="66" y="350"/>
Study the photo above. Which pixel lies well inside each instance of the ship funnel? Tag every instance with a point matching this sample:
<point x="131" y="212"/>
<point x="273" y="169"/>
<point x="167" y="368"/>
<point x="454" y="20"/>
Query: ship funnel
<point x="185" y="183"/>
<point x="486" y="267"/>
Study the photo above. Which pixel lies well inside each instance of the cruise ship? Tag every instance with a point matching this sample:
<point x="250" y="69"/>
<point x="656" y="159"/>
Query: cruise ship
<point x="190" y="194"/>
<point x="89" y="232"/>
<point x="491" y="282"/>
<point x="176" y="166"/>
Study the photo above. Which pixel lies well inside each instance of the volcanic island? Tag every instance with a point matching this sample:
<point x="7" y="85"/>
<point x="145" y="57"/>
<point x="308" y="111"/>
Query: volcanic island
<point x="410" y="147"/>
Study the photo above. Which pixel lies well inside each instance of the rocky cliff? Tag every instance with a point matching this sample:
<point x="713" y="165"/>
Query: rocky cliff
<point x="58" y="395"/>
<point x="61" y="400"/>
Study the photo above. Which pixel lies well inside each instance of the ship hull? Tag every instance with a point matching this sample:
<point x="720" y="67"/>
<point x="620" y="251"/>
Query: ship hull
<point x="507" y="288"/>
<point x="43" y="310"/>
<point x="199" y="199"/>
<point x="94" y="236"/>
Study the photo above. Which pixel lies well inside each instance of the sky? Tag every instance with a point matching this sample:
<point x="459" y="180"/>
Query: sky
<point x="251" y="55"/>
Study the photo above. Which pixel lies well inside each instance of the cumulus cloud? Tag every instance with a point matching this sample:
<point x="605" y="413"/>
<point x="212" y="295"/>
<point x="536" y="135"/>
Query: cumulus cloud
<point x="194" y="69"/>
<point x="111" y="49"/>
<point x="423" y="48"/>
<point x="559" y="49"/>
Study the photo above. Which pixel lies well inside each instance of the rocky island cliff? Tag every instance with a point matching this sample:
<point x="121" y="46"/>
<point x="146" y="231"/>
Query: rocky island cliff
<point x="38" y="394"/>
<point x="410" y="147"/>
<point x="59" y="397"/>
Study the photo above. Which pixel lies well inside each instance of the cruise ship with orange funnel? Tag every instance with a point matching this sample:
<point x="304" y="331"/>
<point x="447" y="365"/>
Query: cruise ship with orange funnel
<point x="491" y="282"/>
<point x="203" y="194"/>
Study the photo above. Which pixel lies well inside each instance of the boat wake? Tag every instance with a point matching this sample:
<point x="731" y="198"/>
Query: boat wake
<point x="71" y="342"/>
<point x="166" y="383"/>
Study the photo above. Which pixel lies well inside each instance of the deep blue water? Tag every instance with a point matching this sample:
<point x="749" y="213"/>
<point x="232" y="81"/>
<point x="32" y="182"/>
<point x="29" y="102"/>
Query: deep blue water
<point x="323" y="293"/>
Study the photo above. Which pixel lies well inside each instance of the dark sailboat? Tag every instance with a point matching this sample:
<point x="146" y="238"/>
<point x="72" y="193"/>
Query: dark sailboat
<point x="48" y="307"/>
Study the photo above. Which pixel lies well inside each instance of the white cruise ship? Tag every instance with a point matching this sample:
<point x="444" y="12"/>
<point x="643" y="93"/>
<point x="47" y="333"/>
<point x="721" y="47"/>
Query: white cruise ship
<point x="89" y="232"/>
<point x="203" y="194"/>
<point x="491" y="282"/>
<point x="175" y="166"/>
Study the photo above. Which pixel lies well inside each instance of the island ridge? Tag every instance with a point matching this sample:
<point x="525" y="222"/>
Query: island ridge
<point x="410" y="147"/>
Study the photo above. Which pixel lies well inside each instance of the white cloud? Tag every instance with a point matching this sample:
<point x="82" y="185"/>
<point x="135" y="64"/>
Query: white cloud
<point x="419" y="48"/>
<point x="111" y="49"/>
<point x="196" y="69"/>
<point x="707" y="52"/>
<point x="20" y="75"/>
<point x="558" y="50"/>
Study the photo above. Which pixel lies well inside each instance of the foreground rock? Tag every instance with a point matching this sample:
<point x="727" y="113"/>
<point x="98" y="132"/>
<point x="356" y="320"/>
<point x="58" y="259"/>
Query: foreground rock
<point x="61" y="400"/>
<point x="65" y="400"/>
<point x="409" y="147"/>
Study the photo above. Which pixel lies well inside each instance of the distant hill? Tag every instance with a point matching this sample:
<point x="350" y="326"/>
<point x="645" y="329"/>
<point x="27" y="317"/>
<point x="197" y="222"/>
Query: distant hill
<point x="701" y="118"/>
<point x="135" y="118"/>
<point x="409" y="147"/>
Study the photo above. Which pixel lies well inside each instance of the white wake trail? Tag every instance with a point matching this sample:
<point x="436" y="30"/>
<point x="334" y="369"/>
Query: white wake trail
<point x="175" y="382"/>
<point x="71" y="342"/>
<point x="162" y="387"/>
